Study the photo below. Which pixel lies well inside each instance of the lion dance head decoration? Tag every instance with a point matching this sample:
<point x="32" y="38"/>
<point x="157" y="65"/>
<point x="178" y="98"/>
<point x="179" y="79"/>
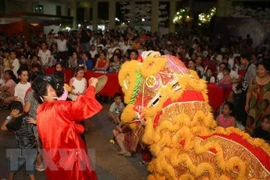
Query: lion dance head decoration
<point x="172" y="103"/>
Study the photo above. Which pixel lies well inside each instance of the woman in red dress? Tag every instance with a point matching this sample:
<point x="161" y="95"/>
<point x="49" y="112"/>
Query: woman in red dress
<point x="102" y="63"/>
<point x="64" y="152"/>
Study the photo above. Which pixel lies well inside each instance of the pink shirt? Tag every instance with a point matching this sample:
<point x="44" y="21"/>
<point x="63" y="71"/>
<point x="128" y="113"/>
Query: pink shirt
<point x="226" y="80"/>
<point x="225" y="122"/>
<point x="11" y="84"/>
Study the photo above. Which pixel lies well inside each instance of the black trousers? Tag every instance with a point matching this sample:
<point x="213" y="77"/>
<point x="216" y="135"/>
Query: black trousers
<point x="240" y="103"/>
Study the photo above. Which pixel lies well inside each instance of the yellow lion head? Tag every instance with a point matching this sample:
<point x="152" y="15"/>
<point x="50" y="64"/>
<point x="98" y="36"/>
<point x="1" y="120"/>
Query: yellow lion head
<point x="161" y="88"/>
<point x="171" y="102"/>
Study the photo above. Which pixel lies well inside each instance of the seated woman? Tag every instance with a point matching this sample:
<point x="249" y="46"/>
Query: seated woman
<point x="7" y="90"/>
<point x="73" y="61"/>
<point x="102" y="63"/>
<point x="191" y="66"/>
<point x="116" y="63"/>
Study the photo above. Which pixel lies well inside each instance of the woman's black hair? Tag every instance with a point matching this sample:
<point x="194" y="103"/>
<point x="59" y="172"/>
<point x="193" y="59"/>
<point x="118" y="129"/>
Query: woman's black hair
<point x="118" y="56"/>
<point x="104" y="53"/>
<point x="230" y="105"/>
<point x="40" y="88"/>
<point x="118" y="49"/>
<point x="265" y="64"/>
<point x="40" y="84"/>
<point x="34" y="75"/>
<point x="59" y="76"/>
<point x="12" y="76"/>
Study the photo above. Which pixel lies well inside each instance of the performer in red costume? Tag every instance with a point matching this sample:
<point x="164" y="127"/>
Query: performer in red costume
<point x="64" y="152"/>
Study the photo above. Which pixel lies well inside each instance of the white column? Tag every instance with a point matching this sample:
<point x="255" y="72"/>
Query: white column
<point x="112" y="14"/>
<point x="172" y="13"/>
<point x="154" y="15"/>
<point x="95" y="14"/>
<point x="29" y="6"/>
<point x="221" y="8"/>
<point x="73" y="12"/>
<point x="64" y="9"/>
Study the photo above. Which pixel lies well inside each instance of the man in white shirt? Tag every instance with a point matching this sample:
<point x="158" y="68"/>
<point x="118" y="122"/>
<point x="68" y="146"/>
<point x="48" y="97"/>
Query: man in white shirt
<point x="61" y="43"/>
<point x="93" y="51"/>
<point x="62" y="48"/>
<point x="111" y="50"/>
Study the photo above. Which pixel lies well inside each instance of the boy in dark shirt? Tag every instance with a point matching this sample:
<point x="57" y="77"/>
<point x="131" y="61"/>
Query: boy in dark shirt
<point x="26" y="153"/>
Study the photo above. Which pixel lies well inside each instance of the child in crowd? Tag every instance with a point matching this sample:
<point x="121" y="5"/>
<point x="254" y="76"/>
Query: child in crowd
<point x="14" y="63"/>
<point x="78" y="83"/>
<point x="116" y="108"/>
<point x="78" y="86"/>
<point x="58" y="67"/>
<point x="225" y="119"/>
<point x="226" y="80"/>
<point x="35" y="61"/>
<point x="208" y="76"/>
<point x="45" y="55"/>
<point x="123" y="134"/>
<point x="23" y="62"/>
<point x="263" y="131"/>
<point x="22" y="86"/>
<point x="7" y="89"/>
<point x="26" y="153"/>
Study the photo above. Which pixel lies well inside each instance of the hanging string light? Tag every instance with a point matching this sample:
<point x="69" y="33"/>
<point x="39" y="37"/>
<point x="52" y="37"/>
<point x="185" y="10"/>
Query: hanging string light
<point x="205" y="18"/>
<point x="183" y="15"/>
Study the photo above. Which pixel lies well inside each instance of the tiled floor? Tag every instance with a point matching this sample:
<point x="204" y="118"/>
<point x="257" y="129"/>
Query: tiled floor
<point x="109" y="165"/>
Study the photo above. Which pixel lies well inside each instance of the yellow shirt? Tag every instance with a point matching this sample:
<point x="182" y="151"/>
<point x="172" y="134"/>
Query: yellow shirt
<point x="68" y="88"/>
<point x="6" y="64"/>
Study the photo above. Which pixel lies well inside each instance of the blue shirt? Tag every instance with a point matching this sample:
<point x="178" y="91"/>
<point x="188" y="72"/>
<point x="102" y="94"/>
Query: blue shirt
<point x="89" y="64"/>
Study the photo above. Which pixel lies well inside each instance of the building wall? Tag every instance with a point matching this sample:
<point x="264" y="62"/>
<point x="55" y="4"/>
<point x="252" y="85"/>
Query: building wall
<point x="49" y="7"/>
<point x="14" y="6"/>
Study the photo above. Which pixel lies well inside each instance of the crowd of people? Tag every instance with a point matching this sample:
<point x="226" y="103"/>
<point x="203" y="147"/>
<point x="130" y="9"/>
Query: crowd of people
<point x="231" y="62"/>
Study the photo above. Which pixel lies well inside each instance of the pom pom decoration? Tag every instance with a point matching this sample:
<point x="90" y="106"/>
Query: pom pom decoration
<point x="182" y="16"/>
<point x="205" y="18"/>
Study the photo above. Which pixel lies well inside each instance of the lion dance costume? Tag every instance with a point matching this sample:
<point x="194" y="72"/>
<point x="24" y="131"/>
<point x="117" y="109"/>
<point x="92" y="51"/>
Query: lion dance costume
<point x="171" y="104"/>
